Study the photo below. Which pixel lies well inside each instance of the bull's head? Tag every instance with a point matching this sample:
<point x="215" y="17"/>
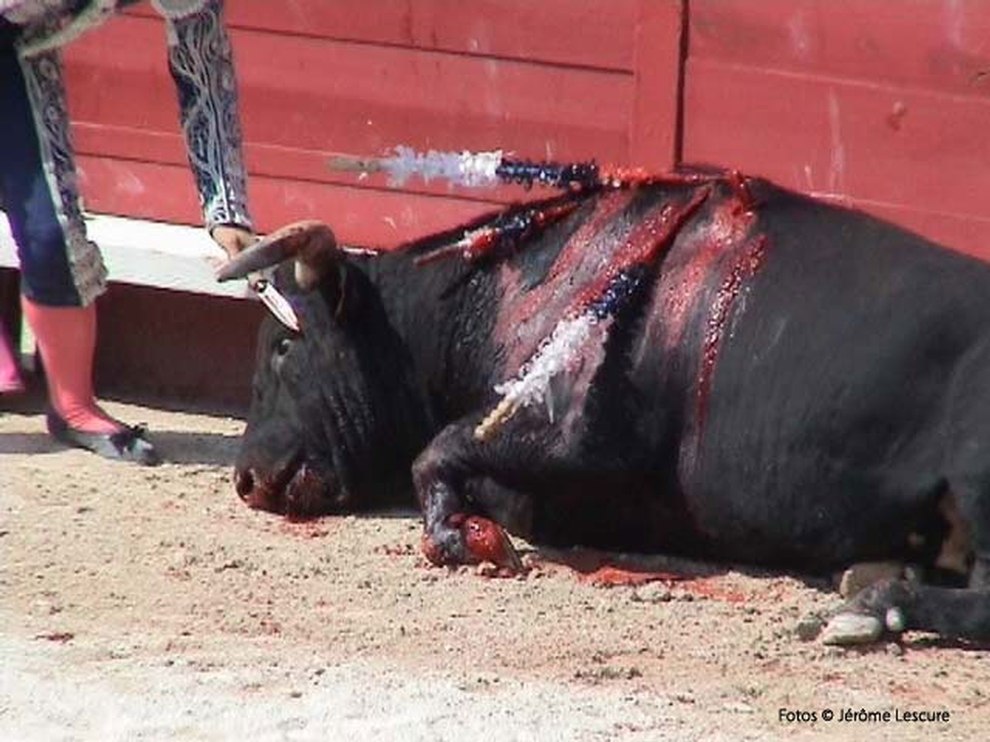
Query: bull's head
<point x="328" y="415"/>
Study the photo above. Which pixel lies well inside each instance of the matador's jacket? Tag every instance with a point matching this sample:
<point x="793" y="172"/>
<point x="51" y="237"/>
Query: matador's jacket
<point x="200" y="61"/>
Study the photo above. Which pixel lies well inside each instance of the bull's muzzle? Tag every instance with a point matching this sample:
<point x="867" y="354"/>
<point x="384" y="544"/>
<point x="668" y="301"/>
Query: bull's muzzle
<point x="300" y="492"/>
<point x="244" y="483"/>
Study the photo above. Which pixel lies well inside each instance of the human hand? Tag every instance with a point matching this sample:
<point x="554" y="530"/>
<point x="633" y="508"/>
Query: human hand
<point x="232" y="238"/>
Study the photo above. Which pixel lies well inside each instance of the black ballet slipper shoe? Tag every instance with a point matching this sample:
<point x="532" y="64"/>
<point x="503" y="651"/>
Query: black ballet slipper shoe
<point x="128" y="444"/>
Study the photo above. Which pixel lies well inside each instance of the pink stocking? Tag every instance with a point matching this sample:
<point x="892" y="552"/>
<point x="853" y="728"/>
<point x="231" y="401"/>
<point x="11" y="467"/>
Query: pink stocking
<point x="67" y="340"/>
<point x="10" y="377"/>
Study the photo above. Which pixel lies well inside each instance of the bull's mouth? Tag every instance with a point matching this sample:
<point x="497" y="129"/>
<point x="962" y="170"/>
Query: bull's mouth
<point x="299" y="491"/>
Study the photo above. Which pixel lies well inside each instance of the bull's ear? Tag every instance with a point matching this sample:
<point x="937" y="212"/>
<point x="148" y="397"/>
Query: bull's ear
<point x="311" y="243"/>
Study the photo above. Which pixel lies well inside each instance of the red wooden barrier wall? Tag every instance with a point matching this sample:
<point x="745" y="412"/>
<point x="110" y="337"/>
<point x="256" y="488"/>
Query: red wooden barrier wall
<point x="883" y="103"/>
<point x="554" y="78"/>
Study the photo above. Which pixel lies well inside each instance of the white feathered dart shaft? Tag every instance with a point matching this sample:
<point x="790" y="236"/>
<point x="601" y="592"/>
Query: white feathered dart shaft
<point x="474" y="169"/>
<point x="469" y="169"/>
<point x="491" y="168"/>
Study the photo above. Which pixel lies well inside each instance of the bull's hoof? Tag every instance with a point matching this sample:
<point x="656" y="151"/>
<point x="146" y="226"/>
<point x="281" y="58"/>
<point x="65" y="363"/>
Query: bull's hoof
<point x="877" y="611"/>
<point x="471" y="539"/>
<point x="487" y="541"/>
<point x="438" y="552"/>
<point x="861" y="575"/>
<point x="852" y="628"/>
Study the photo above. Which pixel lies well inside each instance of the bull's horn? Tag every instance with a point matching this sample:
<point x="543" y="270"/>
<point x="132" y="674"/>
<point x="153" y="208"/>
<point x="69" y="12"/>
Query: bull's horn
<point x="311" y="242"/>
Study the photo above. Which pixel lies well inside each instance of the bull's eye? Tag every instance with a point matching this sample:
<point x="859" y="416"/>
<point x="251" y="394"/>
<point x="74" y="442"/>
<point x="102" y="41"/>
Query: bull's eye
<point x="279" y="353"/>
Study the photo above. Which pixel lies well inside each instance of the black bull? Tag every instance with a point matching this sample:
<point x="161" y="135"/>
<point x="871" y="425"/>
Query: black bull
<point x="721" y="369"/>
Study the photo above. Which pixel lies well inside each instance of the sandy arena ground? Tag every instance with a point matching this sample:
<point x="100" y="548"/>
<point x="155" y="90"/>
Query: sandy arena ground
<point x="151" y="604"/>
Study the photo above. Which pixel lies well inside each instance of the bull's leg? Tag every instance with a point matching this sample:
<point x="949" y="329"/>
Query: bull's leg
<point x="894" y="606"/>
<point x="455" y="531"/>
<point x="469" y="488"/>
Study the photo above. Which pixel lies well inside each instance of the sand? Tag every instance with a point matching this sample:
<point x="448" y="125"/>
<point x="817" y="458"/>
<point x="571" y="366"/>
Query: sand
<point x="152" y="604"/>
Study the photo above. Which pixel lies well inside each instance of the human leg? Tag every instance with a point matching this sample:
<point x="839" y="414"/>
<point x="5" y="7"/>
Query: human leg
<point x="61" y="271"/>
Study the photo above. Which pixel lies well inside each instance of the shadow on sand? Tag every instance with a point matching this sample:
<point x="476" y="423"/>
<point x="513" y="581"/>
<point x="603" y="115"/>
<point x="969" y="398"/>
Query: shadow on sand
<point x="205" y="449"/>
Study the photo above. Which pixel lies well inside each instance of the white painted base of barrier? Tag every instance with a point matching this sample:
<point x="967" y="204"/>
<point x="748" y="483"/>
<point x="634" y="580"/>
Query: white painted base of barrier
<point x="147" y="253"/>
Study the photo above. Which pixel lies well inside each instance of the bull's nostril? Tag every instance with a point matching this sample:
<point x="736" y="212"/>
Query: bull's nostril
<point x="243" y="482"/>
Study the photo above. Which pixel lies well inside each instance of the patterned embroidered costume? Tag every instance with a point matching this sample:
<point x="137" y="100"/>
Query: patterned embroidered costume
<point x="38" y="188"/>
